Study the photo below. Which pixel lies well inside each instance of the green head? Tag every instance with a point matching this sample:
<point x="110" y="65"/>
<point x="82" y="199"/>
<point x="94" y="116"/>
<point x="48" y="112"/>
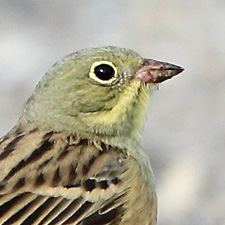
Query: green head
<point x="96" y="92"/>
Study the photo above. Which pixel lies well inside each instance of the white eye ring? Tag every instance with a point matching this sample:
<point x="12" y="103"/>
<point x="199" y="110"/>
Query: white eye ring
<point x="103" y="72"/>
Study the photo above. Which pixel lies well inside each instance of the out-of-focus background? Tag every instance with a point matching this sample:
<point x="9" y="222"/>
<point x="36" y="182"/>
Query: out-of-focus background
<point x="185" y="131"/>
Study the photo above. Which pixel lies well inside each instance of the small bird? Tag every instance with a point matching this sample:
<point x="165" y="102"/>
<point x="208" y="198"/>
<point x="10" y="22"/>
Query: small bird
<point x="74" y="156"/>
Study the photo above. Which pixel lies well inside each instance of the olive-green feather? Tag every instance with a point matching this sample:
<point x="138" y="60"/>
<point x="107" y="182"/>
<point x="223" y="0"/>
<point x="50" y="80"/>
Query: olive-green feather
<point x="67" y="99"/>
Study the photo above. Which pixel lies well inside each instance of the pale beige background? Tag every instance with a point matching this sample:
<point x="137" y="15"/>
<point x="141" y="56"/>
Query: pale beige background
<point x="186" y="122"/>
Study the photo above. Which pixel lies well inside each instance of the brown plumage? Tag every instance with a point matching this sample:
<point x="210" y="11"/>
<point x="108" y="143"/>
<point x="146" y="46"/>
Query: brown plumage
<point x="56" y="178"/>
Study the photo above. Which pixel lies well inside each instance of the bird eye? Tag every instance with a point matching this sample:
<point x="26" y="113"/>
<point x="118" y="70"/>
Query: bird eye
<point x="104" y="72"/>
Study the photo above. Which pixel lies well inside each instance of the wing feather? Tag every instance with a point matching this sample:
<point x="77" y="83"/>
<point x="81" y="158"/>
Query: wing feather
<point x="55" y="178"/>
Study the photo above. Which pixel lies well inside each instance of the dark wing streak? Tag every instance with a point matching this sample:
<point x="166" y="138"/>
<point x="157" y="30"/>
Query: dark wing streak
<point x="111" y="217"/>
<point x="108" y="213"/>
<point x="10" y="204"/>
<point x="55" y="211"/>
<point x="9" y="142"/>
<point x="10" y="147"/>
<point x="64" y="214"/>
<point x="25" y="210"/>
<point x="113" y="203"/>
<point x="38" y="210"/>
<point x="81" y="212"/>
<point x="29" y="208"/>
<point x="46" y="145"/>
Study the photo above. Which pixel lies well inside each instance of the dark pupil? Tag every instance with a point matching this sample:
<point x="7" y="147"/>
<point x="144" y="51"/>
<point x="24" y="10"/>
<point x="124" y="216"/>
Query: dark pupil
<point x="104" y="72"/>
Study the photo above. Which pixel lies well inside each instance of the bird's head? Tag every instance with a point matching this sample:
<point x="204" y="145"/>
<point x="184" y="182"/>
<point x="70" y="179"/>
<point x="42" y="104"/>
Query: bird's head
<point x="100" y="92"/>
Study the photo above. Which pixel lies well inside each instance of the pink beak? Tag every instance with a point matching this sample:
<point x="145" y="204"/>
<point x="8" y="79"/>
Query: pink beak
<point x="153" y="71"/>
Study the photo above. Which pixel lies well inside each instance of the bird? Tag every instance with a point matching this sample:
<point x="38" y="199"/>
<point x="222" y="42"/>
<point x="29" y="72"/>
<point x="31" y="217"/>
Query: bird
<point x="75" y="155"/>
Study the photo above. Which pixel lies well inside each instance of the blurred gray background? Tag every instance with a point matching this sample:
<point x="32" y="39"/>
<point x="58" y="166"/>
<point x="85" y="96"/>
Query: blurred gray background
<point x="185" y="131"/>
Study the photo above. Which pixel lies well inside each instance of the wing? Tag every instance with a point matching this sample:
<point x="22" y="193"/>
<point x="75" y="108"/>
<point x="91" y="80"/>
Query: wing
<point x="53" y="178"/>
